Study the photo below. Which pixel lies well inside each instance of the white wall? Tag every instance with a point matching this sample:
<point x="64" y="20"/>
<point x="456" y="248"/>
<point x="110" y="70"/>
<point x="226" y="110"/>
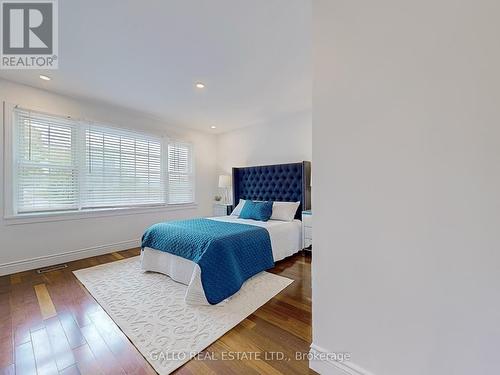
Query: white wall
<point x="284" y="140"/>
<point x="103" y="234"/>
<point x="406" y="140"/>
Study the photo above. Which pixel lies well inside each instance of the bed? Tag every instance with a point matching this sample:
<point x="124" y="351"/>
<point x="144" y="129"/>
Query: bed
<point x="238" y="248"/>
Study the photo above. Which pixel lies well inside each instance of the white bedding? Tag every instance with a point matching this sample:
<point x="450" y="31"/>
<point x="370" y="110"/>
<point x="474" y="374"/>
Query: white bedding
<point x="286" y="240"/>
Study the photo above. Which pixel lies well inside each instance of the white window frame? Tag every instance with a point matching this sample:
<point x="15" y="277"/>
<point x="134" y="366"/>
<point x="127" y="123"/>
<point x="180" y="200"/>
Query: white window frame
<point x="10" y="212"/>
<point x="192" y="174"/>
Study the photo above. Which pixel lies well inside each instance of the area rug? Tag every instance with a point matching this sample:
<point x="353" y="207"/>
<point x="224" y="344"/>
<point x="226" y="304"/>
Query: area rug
<point x="150" y="309"/>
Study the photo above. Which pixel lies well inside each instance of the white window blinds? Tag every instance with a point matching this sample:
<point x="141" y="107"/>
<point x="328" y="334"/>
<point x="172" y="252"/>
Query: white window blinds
<point x="45" y="159"/>
<point x="180" y="173"/>
<point x="60" y="164"/>
<point x="122" y="168"/>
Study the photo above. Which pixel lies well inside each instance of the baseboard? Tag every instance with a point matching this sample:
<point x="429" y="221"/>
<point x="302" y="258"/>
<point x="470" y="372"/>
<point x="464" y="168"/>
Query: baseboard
<point x="68" y="256"/>
<point x="331" y="367"/>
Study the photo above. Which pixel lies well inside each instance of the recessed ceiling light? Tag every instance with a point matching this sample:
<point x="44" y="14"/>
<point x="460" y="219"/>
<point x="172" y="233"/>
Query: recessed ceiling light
<point x="213" y="127"/>
<point x="45" y="78"/>
<point x="200" y="85"/>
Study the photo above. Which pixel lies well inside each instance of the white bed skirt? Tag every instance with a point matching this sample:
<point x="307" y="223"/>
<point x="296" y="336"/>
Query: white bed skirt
<point x="286" y="240"/>
<point x="180" y="269"/>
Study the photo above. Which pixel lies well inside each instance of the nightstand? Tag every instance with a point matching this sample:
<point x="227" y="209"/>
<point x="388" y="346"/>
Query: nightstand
<point x="307" y="223"/>
<point x="222" y="209"/>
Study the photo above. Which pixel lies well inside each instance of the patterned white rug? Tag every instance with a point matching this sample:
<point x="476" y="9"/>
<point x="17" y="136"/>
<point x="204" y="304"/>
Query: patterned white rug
<point x="150" y="309"/>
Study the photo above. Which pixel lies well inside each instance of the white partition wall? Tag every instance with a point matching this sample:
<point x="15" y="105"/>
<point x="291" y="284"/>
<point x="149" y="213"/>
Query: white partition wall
<point x="406" y="145"/>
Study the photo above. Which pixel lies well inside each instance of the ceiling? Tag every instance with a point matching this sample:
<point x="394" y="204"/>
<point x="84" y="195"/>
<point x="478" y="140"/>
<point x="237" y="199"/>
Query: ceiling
<point x="253" y="56"/>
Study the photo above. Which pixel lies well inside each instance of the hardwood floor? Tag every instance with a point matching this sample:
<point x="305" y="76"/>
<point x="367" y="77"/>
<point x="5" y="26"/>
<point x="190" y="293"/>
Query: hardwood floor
<point x="50" y="324"/>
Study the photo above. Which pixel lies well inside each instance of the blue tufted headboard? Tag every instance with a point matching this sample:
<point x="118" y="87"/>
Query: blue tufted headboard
<point x="279" y="182"/>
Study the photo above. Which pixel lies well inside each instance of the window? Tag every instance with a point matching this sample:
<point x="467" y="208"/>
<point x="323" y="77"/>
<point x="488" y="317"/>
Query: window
<point x="180" y="173"/>
<point x="45" y="163"/>
<point x="121" y="169"/>
<point x="60" y="164"/>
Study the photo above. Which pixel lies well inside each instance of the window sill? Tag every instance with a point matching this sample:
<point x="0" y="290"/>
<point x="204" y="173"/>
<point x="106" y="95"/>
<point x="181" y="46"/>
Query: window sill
<point x="91" y="214"/>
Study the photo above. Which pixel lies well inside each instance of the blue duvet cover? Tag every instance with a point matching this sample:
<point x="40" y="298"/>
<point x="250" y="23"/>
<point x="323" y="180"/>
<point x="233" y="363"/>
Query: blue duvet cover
<point x="227" y="253"/>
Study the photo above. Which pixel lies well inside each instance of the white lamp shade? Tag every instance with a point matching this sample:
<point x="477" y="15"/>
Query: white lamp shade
<point x="224" y="181"/>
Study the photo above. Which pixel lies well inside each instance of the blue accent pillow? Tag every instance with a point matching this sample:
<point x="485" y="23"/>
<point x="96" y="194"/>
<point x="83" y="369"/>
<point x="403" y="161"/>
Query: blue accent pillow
<point x="260" y="211"/>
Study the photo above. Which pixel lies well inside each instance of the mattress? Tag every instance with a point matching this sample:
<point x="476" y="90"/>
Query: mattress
<point x="286" y="240"/>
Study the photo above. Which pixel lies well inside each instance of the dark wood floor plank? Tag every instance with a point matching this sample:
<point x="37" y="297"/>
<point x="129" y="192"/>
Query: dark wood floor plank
<point x="44" y="357"/>
<point x="105" y="358"/>
<point x="86" y="361"/>
<point x="15" y="279"/>
<point x="60" y="346"/>
<point x="9" y="370"/>
<point x="117" y="342"/>
<point x="6" y="352"/>
<point x="25" y="359"/>
<point x="22" y="334"/>
<point x="71" y="329"/>
<point x="72" y="370"/>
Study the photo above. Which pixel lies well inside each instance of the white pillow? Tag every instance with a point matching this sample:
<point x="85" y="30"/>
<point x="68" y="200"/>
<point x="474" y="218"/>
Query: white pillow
<point x="238" y="208"/>
<point x="284" y="211"/>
